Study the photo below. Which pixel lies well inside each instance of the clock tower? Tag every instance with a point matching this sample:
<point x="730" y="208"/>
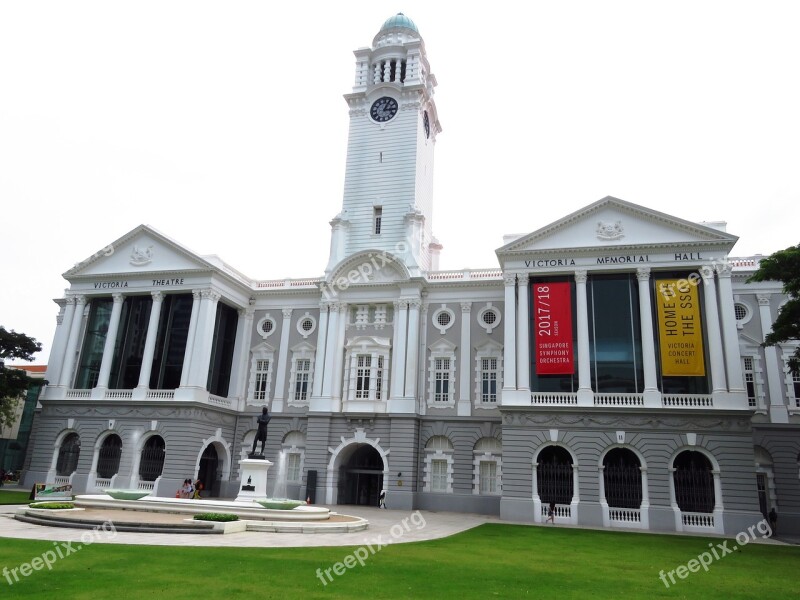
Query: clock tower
<point x="388" y="188"/>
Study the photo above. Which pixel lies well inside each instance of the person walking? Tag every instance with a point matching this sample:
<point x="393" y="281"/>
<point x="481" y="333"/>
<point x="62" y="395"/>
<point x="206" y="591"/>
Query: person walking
<point x="551" y="513"/>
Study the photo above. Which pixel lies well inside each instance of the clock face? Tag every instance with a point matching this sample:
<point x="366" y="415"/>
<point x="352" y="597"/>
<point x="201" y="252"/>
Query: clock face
<point x="383" y="109"/>
<point x="427" y="124"/>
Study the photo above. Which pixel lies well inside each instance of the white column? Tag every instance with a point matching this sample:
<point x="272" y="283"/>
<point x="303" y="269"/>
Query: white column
<point x="338" y="359"/>
<point x="509" y="334"/>
<point x="715" y="353"/>
<point x="652" y="398"/>
<point x="330" y="349"/>
<point x="111" y="342"/>
<point x="585" y="394"/>
<point x="412" y="351"/>
<point x="730" y="335"/>
<point x="203" y="339"/>
<point x="399" y="354"/>
<point x="319" y="356"/>
<point x="241" y="353"/>
<point x="465" y="367"/>
<point x="150" y="341"/>
<point x="72" y="342"/>
<point x="64" y="323"/>
<point x="187" y="355"/>
<point x="423" y="364"/>
<point x="778" y="412"/>
<point x="523" y="334"/>
<point x="283" y="352"/>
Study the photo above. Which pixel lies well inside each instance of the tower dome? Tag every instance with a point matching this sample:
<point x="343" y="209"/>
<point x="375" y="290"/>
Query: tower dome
<point x="399" y="20"/>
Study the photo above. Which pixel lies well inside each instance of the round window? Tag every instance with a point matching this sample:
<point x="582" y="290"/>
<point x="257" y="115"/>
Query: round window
<point x="740" y="310"/>
<point x="267" y="326"/>
<point x="443" y="319"/>
<point x="307" y="325"/>
<point x="489" y="317"/>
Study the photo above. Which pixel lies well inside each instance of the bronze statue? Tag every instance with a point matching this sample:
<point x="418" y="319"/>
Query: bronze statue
<point x="261" y="435"/>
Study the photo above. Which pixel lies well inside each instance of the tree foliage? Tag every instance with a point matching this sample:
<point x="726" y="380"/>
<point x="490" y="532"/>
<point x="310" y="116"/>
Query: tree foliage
<point x="14" y="383"/>
<point x="784" y="266"/>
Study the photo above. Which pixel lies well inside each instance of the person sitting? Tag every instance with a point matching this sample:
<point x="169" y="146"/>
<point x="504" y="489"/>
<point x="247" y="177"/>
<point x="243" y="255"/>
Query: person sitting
<point x="186" y="490"/>
<point x="198" y="487"/>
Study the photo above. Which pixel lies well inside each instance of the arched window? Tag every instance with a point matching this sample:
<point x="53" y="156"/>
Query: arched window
<point x="439" y="465"/>
<point x="487" y="466"/>
<point x="108" y="457"/>
<point x="68" y="455"/>
<point x="694" y="482"/>
<point x="622" y="477"/>
<point x="554" y="476"/>
<point x="152" y="462"/>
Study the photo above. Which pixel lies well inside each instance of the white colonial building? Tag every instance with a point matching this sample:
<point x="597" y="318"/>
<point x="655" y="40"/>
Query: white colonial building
<point x="609" y="364"/>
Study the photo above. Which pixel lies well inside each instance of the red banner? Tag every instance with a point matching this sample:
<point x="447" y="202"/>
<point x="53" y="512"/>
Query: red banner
<point x="552" y="328"/>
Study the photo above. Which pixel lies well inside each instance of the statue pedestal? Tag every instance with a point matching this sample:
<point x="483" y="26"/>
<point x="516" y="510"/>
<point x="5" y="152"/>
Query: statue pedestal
<point x="254" y="479"/>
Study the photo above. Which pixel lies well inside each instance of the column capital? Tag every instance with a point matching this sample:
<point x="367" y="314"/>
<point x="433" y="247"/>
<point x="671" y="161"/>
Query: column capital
<point x="209" y="294"/>
<point x="415" y="303"/>
<point x="523" y="279"/>
<point x="157" y="296"/>
<point x="197" y="294"/>
<point x="287" y="313"/>
<point x="402" y="304"/>
<point x="69" y="299"/>
<point x="60" y="318"/>
<point x="334" y="307"/>
<point x="425" y="307"/>
<point x="118" y="298"/>
<point x="763" y="299"/>
<point x="509" y="279"/>
<point x="581" y="275"/>
<point x="466" y="307"/>
<point x="724" y="269"/>
<point x="80" y="299"/>
<point x="643" y="273"/>
<point x="707" y="273"/>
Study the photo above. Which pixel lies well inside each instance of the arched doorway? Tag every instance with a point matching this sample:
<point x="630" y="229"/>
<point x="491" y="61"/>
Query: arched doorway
<point x="108" y="457"/>
<point x="622" y="478"/>
<point x="694" y="482"/>
<point x="554" y="478"/>
<point x="207" y="471"/>
<point x="361" y="476"/>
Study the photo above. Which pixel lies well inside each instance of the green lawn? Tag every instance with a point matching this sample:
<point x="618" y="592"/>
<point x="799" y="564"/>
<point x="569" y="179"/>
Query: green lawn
<point x="14" y="496"/>
<point x="503" y="561"/>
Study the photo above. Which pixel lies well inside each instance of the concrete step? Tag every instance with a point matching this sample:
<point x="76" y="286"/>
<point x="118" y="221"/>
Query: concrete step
<point x="56" y="521"/>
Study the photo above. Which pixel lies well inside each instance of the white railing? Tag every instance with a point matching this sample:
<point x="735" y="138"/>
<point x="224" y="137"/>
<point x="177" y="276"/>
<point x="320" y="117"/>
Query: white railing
<point x="691" y="519"/>
<point x="161" y="394"/>
<point x="219" y="401"/>
<point x="562" y="511"/>
<point x="287" y="283"/>
<point x="464" y="275"/>
<point x="102" y="483"/>
<point x="146" y="485"/>
<point x="79" y="394"/>
<point x="618" y="400"/>
<point x="554" y="399"/>
<point x="62" y="480"/>
<point x="624" y="515"/>
<point x="118" y="394"/>
<point x="687" y="400"/>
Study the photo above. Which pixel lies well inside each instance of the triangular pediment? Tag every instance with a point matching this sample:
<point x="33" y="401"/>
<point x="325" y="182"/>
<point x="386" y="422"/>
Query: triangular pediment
<point x="613" y="223"/>
<point x="142" y="250"/>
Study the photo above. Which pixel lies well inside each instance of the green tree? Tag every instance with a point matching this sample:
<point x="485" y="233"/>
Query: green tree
<point x="784" y="266"/>
<point x="14" y="383"/>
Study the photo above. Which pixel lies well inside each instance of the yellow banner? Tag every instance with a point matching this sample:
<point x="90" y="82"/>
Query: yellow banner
<point x="680" y="330"/>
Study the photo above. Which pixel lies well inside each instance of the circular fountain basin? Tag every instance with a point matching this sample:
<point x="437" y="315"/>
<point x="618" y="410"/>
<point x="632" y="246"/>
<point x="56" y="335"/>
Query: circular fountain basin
<point x="127" y="494"/>
<point x="280" y="503"/>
